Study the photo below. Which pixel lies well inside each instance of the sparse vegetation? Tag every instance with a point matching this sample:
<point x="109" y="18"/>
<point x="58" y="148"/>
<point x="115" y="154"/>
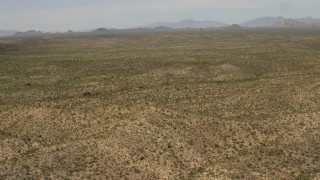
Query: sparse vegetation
<point x="240" y="104"/>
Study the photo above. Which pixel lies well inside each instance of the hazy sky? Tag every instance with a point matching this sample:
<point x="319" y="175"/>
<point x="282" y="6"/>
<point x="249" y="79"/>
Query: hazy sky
<point x="60" y="15"/>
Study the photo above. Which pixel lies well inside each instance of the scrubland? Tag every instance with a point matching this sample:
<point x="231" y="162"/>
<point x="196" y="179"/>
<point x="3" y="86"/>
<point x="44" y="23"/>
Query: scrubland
<point x="161" y="106"/>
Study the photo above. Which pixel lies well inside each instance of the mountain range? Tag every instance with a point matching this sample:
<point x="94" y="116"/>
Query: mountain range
<point x="279" y="21"/>
<point x="276" y="22"/>
<point x="188" y="23"/>
<point x="282" y="22"/>
<point x="263" y="22"/>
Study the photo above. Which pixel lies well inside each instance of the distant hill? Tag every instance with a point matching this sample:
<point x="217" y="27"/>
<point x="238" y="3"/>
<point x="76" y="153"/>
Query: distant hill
<point x="263" y="22"/>
<point x="100" y="30"/>
<point x="189" y="23"/>
<point x="235" y="26"/>
<point x="28" y="33"/>
<point x="291" y="23"/>
<point x="162" y="28"/>
<point x="282" y="22"/>
<point x="309" y="20"/>
<point x="7" y="33"/>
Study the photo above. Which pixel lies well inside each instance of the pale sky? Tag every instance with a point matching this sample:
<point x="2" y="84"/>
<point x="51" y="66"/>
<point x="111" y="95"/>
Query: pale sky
<point x="62" y="15"/>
